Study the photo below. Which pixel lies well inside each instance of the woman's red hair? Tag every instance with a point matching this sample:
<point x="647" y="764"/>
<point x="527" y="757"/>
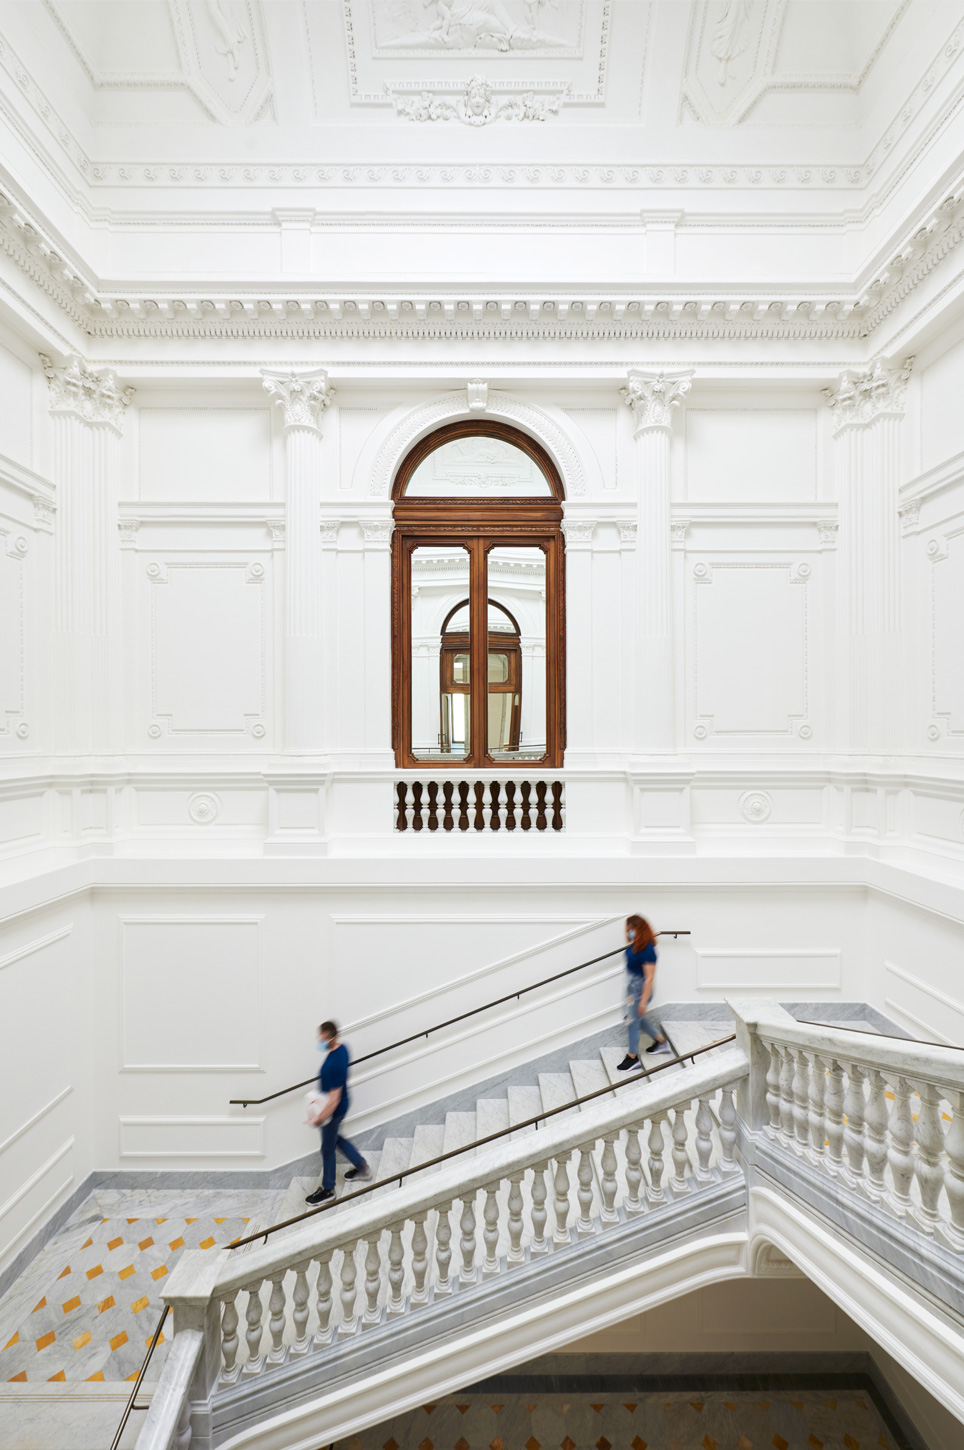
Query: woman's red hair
<point x="643" y="933"/>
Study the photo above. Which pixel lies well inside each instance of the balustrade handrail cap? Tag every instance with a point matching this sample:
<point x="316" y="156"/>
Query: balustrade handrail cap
<point x="466" y="1175"/>
<point x="905" y="1055"/>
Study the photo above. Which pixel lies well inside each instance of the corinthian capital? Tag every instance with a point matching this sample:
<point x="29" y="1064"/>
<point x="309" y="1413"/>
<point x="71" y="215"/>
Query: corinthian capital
<point x="303" y="396"/>
<point x="76" y="392"/>
<point x="865" y="394"/>
<point x="653" y="396"/>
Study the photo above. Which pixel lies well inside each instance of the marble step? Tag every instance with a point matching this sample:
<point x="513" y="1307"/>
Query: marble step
<point x="491" y="1116"/>
<point x="428" y="1143"/>
<point x="459" y="1130"/>
<point x="396" y="1156"/>
<point x="588" y="1076"/>
<point x="524" y="1103"/>
<point x="556" y="1089"/>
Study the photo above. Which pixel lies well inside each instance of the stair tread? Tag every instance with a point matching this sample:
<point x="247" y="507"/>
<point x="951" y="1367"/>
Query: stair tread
<point x="396" y="1156"/>
<point x="588" y="1076"/>
<point x="689" y="1036"/>
<point x="491" y="1116"/>
<point x="460" y="1129"/>
<point x="524" y="1103"/>
<point x="611" y="1056"/>
<point x="556" y="1089"/>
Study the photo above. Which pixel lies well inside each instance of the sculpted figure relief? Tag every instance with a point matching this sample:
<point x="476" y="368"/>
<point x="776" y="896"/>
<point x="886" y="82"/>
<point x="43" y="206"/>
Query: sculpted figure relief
<point x="500" y="25"/>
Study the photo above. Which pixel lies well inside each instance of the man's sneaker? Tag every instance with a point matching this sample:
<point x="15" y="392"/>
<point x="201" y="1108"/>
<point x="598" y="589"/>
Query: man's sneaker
<point x="627" y="1063"/>
<point x="320" y="1195"/>
<point x="359" y="1175"/>
<point x="658" y="1046"/>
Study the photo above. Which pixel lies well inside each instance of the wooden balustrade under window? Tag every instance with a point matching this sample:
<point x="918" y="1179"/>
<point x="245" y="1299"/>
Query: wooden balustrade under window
<point x="480" y="805"/>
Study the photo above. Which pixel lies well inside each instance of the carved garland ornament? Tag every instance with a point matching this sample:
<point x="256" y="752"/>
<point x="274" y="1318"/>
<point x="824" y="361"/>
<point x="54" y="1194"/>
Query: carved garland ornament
<point x="477" y="105"/>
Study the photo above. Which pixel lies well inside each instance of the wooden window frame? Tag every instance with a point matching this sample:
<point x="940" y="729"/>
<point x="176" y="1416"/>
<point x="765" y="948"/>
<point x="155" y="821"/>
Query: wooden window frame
<point x="478" y="525"/>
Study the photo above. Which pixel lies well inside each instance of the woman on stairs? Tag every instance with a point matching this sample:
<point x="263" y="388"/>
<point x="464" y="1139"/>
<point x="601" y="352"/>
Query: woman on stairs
<point x="640" y="980"/>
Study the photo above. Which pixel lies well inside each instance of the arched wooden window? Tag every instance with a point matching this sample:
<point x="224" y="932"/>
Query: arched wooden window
<point x="478" y="608"/>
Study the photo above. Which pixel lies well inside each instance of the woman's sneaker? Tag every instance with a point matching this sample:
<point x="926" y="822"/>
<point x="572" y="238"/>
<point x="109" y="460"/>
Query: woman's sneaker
<point x="359" y="1175"/>
<point x="627" y="1063"/>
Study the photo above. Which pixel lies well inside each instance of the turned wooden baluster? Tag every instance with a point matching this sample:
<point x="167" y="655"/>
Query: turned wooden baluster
<point x="276" y="1323"/>
<point x="656" y="1193"/>
<point x="930" y="1145"/>
<point x="323" y="1300"/>
<point x="815" y="1101"/>
<point x="679" y="1182"/>
<point x="834" y="1118"/>
<point x="396" y="1272"/>
<point x="609" y="1185"/>
<point x="854" y="1127"/>
<point x="416" y="805"/>
<point x="634" y="1172"/>
<point x="448" y="823"/>
<point x="254" y="1332"/>
<point x="875" y="1136"/>
<point x="401" y="791"/>
<point x="728" y="1163"/>
<point x="443" y="1250"/>
<point x="229" y="1339"/>
<point x="490" y="1232"/>
<point x="349" y="1273"/>
<point x="953" y="1232"/>
<point x="516" y="1254"/>
<point x="301" y="1295"/>
<point x="704" y="1141"/>
<point x="373" y="1278"/>
<point x="900" y="1154"/>
<point x="773" y="1088"/>
<point x="419" y="1294"/>
<point x="801" y="1099"/>
<point x="584" y="1224"/>
<point x="787" y="1066"/>
<point x="560" y="1202"/>
<point x="467" y="1273"/>
<point x="539" y="1216"/>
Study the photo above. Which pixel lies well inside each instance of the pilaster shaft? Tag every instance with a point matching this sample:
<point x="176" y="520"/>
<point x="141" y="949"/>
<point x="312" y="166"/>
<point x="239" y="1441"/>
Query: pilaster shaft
<point x="652" y="398"/>
<point x="303" y="397"/>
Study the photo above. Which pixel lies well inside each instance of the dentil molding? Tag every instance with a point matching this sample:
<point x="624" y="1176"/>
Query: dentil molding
<point x="303" y="397"/>
<point x="864" y="395"/>
<point x="651" y="397"/>
<point x="77" y="392"/>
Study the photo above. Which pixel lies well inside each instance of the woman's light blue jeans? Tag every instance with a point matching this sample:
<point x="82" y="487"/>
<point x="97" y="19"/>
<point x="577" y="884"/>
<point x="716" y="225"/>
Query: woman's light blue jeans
<point x="635" y="1023"/>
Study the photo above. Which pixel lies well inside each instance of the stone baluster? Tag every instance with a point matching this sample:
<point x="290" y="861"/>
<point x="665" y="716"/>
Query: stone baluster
<point x="875" y="1136"/>
<point x="815" y="1109"/>
<point x="323" y="1301"/>
<point x="276" y="1322"/>
<point x="728" y="1163"/>
<point x="773" y="1088"/>
<point x="801" y="1099"/>
<point x="609" y="1184"/>
<point x="516" y="1254"/>
<point x="301" y="1295"/>
<point x="835" y="1118"/>
<point x="255" y="1331"/>
<point x="786" y="1095"/>
<point x="230" y="1342"/>
<point x="584" y="1175"/>
<point x="634" y="1172"/>
<point x="373" y="1278"/>
<point x="396" y="1273"/>
<point x="704" y="1141"/>
<point x="409" y="806"/>
<point x="656" y="1193"/>
<point x="679" y="1182"/>
<point x="539" y="1215"/>
<point x="930" y="1144"/>
<point x="900" y="1154"/>
<point x="467" y="1272"/>
<point x="443" y="1250"/>
<point x="349" y="1273"/>
<point x="952" y="1233"/>
<point x="560" y="1202"/>
<point x="854" y="1126"/>
<point x="490" y="1233"/>
<point x="419" y="1294"/>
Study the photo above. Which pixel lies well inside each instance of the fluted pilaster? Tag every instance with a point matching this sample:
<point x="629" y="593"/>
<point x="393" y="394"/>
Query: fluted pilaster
<point x="303" y="398"/>
<point x="652" y="399"/>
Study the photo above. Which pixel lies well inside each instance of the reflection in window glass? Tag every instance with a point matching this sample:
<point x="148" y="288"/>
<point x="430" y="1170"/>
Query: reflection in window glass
<point x="441" y="708"/>
<point x="517" y="654"/>
<point x="478" y="466"/>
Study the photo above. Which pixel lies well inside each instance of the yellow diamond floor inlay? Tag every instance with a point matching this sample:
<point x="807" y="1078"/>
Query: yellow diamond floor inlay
<point x="86" y="1307"/>
<point x="663" y="1420"/>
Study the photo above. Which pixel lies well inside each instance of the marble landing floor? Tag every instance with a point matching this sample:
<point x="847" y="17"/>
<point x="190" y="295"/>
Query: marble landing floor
<point x="779" y="1419"/>
<point x="86" y="1307"/>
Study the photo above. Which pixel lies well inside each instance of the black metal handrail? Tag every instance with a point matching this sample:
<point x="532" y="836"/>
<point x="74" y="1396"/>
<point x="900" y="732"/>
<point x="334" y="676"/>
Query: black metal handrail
<point x="449" y="1022"/>
<point x="867" y="1032"/>
<point x="480" y="1142"/>
<point x="130" y="1406"/>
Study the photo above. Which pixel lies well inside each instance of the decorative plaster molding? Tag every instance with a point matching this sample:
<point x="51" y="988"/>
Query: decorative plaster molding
<point x="578" y="532"/>
<point x="909" y="514"/>
<point x="864" y="396"/>
<point x="44" y="513"/>
<point x="94" y="398"/>
<point x="476" y="104"/>
<point x="677" y="533"/>
<point x="651" y="397"/>
<point x="827" y="530"/>
<point x="329" y="532"/>
<point x="303" y="397"/>
<point x="477" y="394"/>
<point x="128" y="532"/>
<point x="627" y="532"/>
<point x="756" y="806"/>
<point x="276" y="529"/>
<point x="377" y="531"/>
<point x="204" y="807"/>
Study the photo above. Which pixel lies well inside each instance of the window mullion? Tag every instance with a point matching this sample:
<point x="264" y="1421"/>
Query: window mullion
<point x="479" y="616"/>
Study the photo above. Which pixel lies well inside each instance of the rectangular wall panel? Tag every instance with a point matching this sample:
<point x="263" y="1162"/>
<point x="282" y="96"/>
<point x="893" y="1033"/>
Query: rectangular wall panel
<point x="193" y="454"/>
<point x="191" y="1137"/>
<point x="749" y="969"/>
<point x="947" y="643"/>
<point x="12" y="642"/>
<point x="190" y="993"/>
<point x="15" y="390"/>
<point x="746" y="455"/>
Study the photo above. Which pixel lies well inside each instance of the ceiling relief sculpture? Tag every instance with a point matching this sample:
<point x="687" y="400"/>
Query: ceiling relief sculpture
<point x="469" y="27"/>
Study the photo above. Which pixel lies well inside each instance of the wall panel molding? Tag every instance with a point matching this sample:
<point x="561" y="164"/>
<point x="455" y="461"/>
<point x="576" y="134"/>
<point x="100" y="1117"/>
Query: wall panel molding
<point x="763" y="969"/>
<point x="189" y="1136"/>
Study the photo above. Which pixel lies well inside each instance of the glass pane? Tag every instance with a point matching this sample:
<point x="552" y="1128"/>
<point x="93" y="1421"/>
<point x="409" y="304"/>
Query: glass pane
<point x="440" y="718"/>
<point x="517" y="665"/>
<point x="459" y="623"/>
<point x="476" y="467"/>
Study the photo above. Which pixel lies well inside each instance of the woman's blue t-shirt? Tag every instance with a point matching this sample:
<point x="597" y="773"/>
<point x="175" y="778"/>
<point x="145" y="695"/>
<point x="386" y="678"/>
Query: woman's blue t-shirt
<point x="635" y="961"/>
<point x="334" y="1074"/>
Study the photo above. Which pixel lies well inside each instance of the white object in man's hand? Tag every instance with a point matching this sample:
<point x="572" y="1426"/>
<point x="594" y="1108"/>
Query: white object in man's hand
<point x="316" y="1108"/>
